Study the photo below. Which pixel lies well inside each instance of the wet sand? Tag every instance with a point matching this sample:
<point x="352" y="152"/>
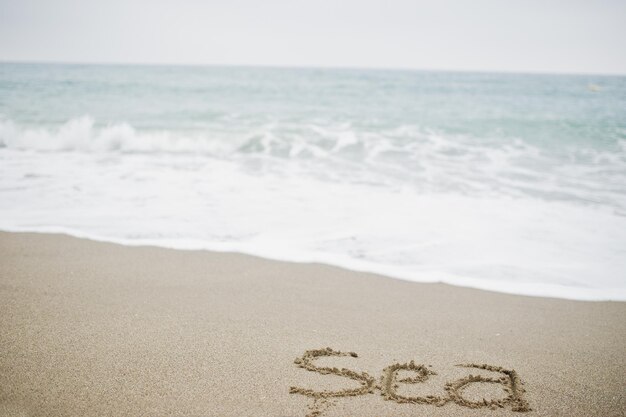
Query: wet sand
<point x="95" y="329"/>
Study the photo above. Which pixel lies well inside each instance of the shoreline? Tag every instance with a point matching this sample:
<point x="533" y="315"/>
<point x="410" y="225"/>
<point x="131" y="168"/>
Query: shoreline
<point x="531" y="289"/>
<point x="94" y="328"/>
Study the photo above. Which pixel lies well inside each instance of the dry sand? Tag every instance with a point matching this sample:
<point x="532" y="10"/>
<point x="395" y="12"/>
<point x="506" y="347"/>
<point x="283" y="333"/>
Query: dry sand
<point x="96" y="329"/>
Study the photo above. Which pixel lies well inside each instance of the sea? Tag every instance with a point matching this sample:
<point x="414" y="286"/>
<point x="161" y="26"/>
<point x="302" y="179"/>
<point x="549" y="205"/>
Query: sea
<point x="506" y="182"/>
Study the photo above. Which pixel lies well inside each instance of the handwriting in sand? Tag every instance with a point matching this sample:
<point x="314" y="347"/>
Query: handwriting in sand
<point x="509" y="380"/>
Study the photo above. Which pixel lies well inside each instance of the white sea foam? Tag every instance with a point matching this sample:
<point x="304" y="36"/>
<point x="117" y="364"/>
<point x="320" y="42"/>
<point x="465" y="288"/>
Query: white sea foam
<point x="81" y="135"/>
<point x="404" y="202"/>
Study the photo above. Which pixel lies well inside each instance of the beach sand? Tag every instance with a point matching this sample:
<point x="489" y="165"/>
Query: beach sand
<point x="98" y="329"/>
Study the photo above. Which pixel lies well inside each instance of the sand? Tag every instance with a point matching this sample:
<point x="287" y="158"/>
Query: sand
<point x="97" y="329"/>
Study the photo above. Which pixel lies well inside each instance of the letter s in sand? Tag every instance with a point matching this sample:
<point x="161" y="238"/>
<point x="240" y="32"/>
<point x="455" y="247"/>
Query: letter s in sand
<point x="306" y="362"/>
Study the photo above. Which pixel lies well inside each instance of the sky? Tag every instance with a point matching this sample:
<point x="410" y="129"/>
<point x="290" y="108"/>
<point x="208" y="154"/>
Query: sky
<point x="563" y="36"/>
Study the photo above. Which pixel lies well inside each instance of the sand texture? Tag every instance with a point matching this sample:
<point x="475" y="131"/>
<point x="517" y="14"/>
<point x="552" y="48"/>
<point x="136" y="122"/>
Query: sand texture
<point x="97" y="329"/>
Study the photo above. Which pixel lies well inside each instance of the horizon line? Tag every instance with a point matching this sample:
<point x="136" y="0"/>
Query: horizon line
<point x="318" y="67"/>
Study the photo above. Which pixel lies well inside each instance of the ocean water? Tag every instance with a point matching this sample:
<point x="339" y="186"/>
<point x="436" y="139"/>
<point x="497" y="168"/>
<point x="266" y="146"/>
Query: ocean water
<point x="507" y="182"/>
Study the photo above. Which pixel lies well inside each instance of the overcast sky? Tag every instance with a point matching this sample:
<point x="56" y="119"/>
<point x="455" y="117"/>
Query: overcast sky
<point x="580" y="36"/>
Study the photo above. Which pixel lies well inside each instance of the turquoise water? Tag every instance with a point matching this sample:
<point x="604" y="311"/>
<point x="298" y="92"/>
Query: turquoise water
<point x="509" y="182"/>
<point x="546" y="110"/>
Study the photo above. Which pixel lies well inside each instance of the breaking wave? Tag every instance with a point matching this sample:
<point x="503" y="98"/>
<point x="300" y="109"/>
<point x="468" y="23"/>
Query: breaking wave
<point x="407" y="202"/>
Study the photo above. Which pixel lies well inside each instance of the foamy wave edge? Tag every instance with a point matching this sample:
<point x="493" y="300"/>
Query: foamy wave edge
<point x="81" y="134"/>
<point x="388" y="271"/>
